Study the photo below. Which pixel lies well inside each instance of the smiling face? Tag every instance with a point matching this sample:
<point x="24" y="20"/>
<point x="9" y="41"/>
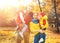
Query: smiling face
<point x="29" y="9"/>
<point x="35" y="16"/>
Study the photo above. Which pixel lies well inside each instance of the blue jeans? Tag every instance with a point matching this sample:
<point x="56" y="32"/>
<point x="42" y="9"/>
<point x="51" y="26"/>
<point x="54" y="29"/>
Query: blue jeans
<point x="39" y="36"/>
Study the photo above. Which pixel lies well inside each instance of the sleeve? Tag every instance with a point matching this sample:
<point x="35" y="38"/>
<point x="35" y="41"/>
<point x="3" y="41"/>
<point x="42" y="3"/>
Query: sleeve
<point x="22" y="18"/>
<point x="32" y="27"/>
<point x="44" y="22"/>
<point x="41" y="22"/>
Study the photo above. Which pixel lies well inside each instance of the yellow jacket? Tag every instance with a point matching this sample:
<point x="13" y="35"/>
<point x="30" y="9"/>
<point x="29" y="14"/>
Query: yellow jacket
<point x="41" y="21"/>
<point x="34" y="27"/>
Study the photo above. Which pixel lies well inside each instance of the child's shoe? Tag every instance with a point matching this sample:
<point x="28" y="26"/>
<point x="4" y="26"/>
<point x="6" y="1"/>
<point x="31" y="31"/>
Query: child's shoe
<point x="41" y="40"/>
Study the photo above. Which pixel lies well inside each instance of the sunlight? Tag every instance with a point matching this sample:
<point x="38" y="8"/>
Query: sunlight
<point x="25" y="2"/>
<point x="13" y="3"/>
<point x="2" y="3"/>
<point x="8" y="3"/>
<point x="41" y="1"/>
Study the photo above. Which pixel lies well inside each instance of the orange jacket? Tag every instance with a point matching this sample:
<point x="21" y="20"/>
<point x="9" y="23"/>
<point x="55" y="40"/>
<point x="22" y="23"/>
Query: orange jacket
<point x="18" y="19"/>
<point x="27" y="20"/>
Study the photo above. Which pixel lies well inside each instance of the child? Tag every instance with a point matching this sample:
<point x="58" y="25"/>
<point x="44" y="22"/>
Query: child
<point x="35" y="28"/>
<point x="44" y="25"/>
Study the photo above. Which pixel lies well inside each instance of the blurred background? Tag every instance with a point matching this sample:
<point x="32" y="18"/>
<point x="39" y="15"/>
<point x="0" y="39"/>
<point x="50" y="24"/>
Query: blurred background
<point x="8" y="10"/>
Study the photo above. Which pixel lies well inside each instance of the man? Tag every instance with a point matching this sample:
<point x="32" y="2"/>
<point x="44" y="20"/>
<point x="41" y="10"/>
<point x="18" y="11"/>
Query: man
<point x="26" y="34"/>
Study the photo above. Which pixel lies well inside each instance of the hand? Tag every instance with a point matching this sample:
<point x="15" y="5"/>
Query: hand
<point x="21" y="25"/>
<point x="42" y="26"/>
<point x="40" y="30"/>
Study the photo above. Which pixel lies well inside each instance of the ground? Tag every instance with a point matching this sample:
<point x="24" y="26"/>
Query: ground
<point x="9" y="36"/>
